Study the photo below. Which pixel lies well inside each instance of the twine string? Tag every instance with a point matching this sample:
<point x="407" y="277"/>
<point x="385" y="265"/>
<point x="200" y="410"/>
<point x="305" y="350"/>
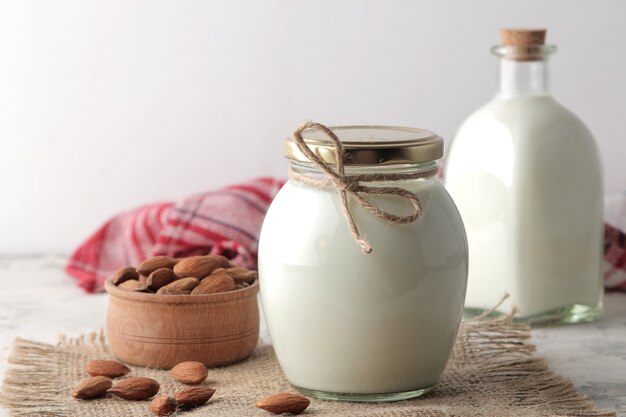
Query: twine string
<point x="351" y="184"/>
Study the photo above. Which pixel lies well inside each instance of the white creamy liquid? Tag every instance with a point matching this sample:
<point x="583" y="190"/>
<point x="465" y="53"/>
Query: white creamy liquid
<point x="348" y="322"/>
<point x="524" y="173"/>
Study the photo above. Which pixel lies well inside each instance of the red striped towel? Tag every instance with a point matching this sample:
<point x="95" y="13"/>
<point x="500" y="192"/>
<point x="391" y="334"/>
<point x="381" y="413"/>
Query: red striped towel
<point x="228" y="222"/>
<point x="615" y="242"/>
<point x="225" y="222"/>
<point x="614" y="258"/>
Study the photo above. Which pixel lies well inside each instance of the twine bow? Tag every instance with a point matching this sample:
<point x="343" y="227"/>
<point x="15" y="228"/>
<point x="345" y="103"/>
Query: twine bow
<point x="352" y="184"/>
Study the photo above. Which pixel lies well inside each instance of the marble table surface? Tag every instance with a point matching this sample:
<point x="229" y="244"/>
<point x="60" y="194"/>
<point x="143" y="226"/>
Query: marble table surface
<point x="38" y="301"/>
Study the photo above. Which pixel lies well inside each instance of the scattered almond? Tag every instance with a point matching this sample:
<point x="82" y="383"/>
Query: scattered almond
<point x="284" y="403"/>
<point x="163" y="405"/>
<point x="190" y="372"/>
<point x="93" y="387"/>
<point x="179" y="287"/>
<point x="135" y="389"/>
<point x="199" y="266"/>
<point x="193" y="397"/>
<point x="160" y="278"/>
<point x="133" y="285"/>
<point x="124" y="274"/>
<point x="108" y="368"/>
<point x="157" y="262"/>
<point x="241" y="275"/>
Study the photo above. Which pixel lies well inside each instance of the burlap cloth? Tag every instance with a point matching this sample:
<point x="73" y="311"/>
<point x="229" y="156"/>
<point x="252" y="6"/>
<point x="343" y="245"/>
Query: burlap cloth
<point x="492" y="372"/>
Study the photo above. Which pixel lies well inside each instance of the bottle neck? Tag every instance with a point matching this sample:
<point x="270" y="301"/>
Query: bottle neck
<point x="523" y="69"/>
<point x="523" y="77"/>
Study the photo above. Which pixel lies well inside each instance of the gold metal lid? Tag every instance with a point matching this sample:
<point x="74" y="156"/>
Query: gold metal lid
<point x="371" y="145"/>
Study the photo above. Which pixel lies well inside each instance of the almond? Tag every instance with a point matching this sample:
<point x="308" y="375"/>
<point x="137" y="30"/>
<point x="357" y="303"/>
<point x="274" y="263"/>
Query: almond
<point x="160" y="278"/>
<point x="133" y="285"/>
<point x="108" y="368"/>
<point x="214" y="284"/>
<point x="190" y="372"/>
<point x="284" y="403"/>
<point x="124" y="274"/>
<point x="135" y="389"/>
<point x="199" y="266"/>
<point x="193" y="397"/>
<point x="163" y="405"/>
<point x="241" y="275"/>
<point x="93" y="387"/>
<point x="179" y="287"/>
<point x="157" y="262"/>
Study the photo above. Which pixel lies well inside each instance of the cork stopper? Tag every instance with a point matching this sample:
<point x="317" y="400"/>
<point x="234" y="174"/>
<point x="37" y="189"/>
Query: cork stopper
<point x="523" y="37"/>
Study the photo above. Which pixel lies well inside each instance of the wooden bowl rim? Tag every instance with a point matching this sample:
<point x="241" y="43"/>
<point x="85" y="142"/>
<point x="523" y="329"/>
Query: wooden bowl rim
<point x="144" y="297"/>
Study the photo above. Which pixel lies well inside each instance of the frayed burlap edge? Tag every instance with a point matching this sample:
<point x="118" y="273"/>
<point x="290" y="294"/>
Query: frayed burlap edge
<point x="31" y="384"/>
<point x="501" y="349"/>
<point x="492" y="353"/>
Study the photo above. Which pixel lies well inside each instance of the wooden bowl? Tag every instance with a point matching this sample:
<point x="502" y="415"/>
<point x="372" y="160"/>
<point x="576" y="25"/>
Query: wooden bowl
<point x="160" y="331"/>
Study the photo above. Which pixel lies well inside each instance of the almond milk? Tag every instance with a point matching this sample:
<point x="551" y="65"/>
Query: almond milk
<point x="354" y="326"/>
<point x="525" y="174"/>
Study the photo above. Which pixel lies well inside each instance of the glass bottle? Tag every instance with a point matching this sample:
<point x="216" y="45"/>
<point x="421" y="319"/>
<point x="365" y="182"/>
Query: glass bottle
<point x="525" y="174"/>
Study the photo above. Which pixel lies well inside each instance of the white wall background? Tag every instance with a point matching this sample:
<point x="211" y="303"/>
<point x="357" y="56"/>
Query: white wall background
<point x="108" y="104"/>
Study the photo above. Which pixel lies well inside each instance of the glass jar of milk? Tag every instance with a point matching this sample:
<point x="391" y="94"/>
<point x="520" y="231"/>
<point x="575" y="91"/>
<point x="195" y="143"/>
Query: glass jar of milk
<point x="356" y="326"/>
<point x="525" y="174"/>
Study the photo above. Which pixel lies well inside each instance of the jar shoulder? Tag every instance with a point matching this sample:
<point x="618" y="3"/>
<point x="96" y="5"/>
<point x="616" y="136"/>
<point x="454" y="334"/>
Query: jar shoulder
<point x="300" y="209"/>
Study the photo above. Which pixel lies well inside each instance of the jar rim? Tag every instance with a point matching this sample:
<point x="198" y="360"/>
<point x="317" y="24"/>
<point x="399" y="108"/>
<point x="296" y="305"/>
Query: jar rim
<point x="371" y="145"/>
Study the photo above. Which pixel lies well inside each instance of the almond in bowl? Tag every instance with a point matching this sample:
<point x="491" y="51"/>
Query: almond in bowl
<point x="204" y="310"/>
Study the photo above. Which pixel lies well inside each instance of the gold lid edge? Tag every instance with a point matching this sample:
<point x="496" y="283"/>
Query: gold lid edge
<point x="402" y="152"/>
